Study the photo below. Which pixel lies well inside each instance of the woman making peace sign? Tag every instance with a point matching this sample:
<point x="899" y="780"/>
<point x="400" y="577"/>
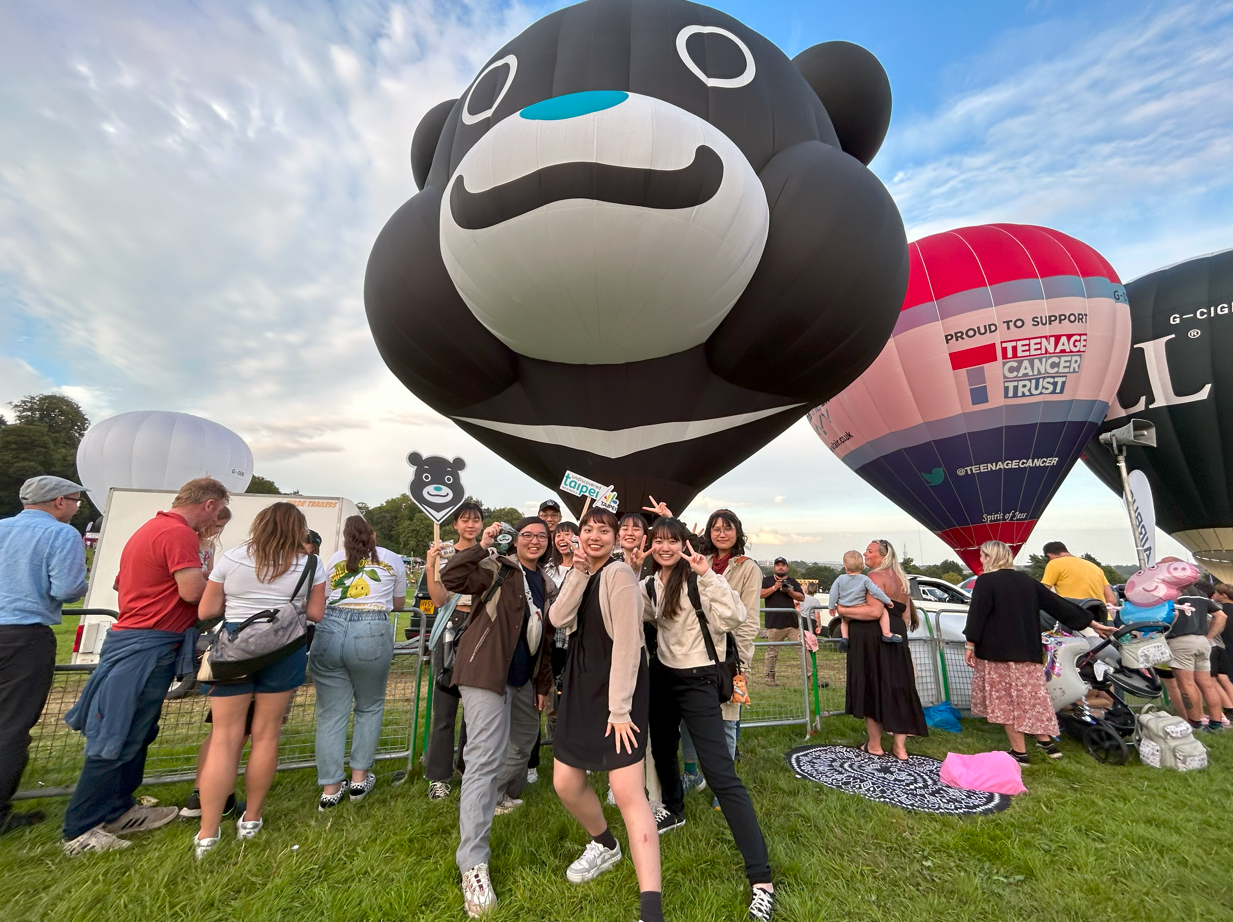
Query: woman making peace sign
<point x="601" y="724"/>
<point x="685" y="686"/>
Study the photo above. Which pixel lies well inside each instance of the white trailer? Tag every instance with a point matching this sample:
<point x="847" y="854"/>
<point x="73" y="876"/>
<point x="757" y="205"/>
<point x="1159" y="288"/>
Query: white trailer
<point x="128" y="510"/>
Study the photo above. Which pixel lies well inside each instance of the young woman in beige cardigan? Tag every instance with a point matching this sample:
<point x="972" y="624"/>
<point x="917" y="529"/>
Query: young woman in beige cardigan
<point x="603" y="712"/>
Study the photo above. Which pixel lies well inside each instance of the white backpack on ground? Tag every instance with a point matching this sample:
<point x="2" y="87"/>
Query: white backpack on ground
<point x="1166" y="741"/>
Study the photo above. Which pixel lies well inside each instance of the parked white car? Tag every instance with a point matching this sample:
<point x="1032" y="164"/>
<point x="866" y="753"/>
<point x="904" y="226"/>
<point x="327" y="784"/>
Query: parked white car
<point x="943" y="609"/>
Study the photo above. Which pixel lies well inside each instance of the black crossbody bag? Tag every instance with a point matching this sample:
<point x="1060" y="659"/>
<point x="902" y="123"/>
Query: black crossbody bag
<point x="726" y="670"/>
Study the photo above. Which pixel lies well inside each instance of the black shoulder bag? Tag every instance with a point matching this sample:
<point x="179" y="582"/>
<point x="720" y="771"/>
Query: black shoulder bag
<point x="726" y="670"/>
<point x="451" y="638"/>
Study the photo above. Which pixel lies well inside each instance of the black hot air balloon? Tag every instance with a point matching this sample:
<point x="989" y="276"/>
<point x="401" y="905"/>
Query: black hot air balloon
<point x="1180" y="377"/>
<point x="646" y="242"/>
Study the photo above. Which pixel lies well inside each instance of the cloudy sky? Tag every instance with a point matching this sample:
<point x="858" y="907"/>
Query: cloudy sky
<point x="188" y="195"/>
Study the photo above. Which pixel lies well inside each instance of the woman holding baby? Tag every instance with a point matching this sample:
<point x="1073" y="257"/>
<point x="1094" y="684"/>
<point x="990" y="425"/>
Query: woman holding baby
<point x="881" y="681"/>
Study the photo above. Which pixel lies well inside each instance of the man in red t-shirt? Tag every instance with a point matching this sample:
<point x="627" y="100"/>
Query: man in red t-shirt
<point x="160" y="583"/>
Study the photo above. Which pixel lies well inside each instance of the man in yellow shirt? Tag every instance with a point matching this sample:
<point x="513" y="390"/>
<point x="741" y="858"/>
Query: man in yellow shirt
<point x="1075" y="578"/>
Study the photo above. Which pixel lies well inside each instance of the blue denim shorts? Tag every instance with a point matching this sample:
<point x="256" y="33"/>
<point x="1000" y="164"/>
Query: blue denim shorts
<point x="283" y="676"/>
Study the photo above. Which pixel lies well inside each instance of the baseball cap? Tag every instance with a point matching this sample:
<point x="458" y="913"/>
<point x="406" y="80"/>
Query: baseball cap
<point x="781" y="560"/>
<point x="45" y="488"/>
<point x="550" y="504"/>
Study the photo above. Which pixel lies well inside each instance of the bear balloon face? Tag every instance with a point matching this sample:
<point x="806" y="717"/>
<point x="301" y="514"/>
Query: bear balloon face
<point x="647" y="170"/>
<point x="633" y="197"/>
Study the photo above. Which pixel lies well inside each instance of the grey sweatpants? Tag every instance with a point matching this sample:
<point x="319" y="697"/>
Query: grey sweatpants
<point x="523" y="732"/>
<point x="495" y="758"/>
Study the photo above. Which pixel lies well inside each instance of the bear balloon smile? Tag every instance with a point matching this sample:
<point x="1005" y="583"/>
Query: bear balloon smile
<point x="646" y="243"/>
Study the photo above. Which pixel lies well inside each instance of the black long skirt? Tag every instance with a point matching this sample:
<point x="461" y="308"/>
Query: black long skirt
<point x="881" y="680"/>
<point x="582" y="716"/>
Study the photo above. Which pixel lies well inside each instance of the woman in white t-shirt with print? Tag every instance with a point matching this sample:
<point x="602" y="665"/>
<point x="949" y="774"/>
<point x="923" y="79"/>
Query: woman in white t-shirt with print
<point x="351" y="655"/>
<point x="263" y="574"/>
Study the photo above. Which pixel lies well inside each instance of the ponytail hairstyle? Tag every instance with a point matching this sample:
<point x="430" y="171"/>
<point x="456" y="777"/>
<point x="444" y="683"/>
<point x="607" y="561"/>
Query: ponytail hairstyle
<point x="359" y="541"/>
<point x="672" y="529"/>
<point x="275" y="541"/>
<point x="890" y="561"/>
<point x="727" y="516"/>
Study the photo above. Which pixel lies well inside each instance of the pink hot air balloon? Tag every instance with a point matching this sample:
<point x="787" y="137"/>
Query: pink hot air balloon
<point x="1010" y="345"/>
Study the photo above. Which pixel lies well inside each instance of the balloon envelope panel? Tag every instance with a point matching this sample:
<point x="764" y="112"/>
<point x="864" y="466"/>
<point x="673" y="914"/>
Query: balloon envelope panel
<point x="160" y="450"/>
<point x="1005" y="356"/>
<point x="1179" y="377"/>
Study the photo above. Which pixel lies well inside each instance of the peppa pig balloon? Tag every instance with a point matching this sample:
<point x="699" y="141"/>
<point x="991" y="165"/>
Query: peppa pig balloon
<point x="1162" y="582"/>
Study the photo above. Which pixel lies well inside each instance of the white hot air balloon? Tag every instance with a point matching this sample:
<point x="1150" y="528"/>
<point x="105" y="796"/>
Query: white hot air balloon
<point x="160" y="450"/>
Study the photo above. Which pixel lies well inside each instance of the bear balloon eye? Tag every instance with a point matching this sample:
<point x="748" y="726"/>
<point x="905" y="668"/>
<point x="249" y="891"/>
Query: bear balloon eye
<point x="682" y="39"/>
<point x="449" y="479"/>
<point x="428" y="477"/>
<point x="469" y="117"/>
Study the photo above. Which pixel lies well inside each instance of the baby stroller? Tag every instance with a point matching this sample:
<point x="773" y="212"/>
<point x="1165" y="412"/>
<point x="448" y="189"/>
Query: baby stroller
<point x="1077" y="665"/>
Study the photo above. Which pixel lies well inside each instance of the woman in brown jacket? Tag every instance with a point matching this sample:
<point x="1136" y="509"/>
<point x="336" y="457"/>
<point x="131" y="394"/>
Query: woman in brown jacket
<point x="603" y="717"/>
<point x="503" y="678"/>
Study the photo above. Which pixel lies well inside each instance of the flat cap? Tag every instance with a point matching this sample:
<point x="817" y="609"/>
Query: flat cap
<point x="45" y="488"/>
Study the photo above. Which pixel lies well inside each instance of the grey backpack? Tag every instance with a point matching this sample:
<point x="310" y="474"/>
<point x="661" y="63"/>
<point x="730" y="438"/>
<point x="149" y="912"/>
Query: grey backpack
<point x="262" y="640"/>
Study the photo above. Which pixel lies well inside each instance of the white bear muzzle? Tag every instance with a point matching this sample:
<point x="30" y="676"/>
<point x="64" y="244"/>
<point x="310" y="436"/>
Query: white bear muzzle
<point x="602" y="227"/>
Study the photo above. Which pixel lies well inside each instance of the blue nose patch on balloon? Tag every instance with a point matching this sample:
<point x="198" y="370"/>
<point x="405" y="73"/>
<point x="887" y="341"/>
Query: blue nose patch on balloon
<point x="573" y="105"/>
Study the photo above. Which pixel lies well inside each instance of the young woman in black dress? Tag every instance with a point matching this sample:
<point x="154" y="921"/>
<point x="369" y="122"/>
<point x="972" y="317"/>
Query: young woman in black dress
<point x="603" y="713"/>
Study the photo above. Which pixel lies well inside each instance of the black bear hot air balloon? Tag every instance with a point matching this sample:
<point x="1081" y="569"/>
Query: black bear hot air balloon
<point x="1180" y="377"/>
<point x="646" y="242"/>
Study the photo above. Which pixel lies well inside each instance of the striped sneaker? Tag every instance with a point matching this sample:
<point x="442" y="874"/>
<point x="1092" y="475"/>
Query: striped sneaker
<point x="141" y="819"/>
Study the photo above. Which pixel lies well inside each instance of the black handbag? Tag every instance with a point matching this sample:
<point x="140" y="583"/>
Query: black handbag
<point x="725" y="671"/>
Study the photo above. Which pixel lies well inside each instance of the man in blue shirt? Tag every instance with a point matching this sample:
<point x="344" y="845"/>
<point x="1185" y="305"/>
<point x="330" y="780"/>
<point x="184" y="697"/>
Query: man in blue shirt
<point x="42" y="566"/>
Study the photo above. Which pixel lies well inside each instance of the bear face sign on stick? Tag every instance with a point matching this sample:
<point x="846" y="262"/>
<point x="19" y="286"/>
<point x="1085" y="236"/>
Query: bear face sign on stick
<point x="436" y="486"/>
<point x="646" y="206"/>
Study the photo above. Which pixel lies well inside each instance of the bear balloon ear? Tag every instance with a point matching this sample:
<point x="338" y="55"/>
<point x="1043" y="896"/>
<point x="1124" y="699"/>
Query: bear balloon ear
<point x="415" y="459"/>
<point x="459" y="464"/>
<point x="855" y="91"/>
<point x="424" y="141"/>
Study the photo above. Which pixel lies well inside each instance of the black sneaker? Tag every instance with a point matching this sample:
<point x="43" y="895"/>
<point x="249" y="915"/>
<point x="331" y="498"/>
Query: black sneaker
<point x="192" y="806"/>
<point x="1020" y="757"/>
<point x="10" y="822"/>
<point x="762" y="905"/>
<point x="1049" y="748"/>
<point x="842" y="645"/>
<point x="665" y="820"/>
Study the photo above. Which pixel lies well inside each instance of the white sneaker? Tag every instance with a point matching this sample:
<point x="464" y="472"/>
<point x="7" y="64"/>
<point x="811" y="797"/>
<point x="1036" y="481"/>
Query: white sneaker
<point x="509" y="805"/>
<point x="532" y="775"/>
<point x="438" y="790"/>
<point x="595" y="859"/>
<point x="97" y="839"/>
<point x="201" y="846"/>
<point x="247" y="829"/>
<point x="477" y="894"/>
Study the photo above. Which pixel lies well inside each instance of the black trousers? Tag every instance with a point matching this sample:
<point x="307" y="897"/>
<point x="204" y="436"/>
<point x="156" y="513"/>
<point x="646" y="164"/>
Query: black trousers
<point x="27" y="660"/>
<point x="439" y="750"/>
<point x="692" y="695"/>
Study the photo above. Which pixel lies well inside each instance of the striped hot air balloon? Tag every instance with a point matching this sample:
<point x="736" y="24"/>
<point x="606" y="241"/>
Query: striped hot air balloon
<point x="1008" y="350"/>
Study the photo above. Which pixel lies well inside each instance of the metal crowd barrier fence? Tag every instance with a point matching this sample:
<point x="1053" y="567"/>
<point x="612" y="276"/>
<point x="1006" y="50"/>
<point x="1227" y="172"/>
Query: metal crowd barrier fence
<point x="57" y="752"/>
<point x="788" y="685"/>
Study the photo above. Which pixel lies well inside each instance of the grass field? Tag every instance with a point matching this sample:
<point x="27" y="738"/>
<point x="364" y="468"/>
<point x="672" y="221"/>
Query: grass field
<point x="1088" y="842"/>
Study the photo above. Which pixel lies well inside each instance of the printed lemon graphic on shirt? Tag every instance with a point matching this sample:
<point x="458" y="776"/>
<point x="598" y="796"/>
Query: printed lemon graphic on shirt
<point x="354" y="585"/>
